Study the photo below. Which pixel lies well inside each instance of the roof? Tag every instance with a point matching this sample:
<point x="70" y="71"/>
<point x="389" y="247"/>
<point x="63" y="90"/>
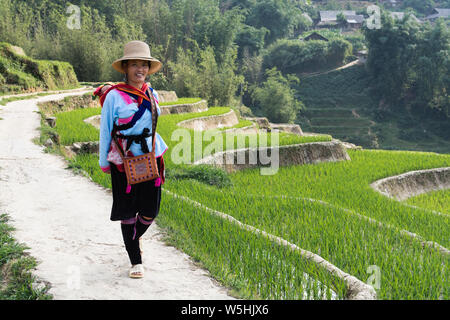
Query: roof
<point x="326" y="16"/>
<point x="443" y="12"/>
<point x="358" y="18"/>
<point x="440" y="13"/>
<point x="400" y="15"/>
<point x="315" y="35"/>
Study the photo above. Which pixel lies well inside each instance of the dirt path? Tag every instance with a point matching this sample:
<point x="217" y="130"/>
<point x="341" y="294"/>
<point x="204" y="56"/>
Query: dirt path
<point x="64" y="219"/>
<point x="348" y="65"/>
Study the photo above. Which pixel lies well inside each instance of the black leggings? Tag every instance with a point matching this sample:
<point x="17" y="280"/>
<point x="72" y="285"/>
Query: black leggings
<point x="132" y="230"/>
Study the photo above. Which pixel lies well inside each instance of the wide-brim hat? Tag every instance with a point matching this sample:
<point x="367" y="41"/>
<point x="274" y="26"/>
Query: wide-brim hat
<point x="137" y="50"/>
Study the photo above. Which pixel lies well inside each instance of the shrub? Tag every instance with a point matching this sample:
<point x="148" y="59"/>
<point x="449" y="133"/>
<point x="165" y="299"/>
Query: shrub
<point x="203" y="173"/>
<point x="276" y="97"/>
<point x="294" y="56"/>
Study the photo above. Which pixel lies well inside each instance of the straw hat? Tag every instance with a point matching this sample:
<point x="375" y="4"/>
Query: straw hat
<point x="137" y="50"/>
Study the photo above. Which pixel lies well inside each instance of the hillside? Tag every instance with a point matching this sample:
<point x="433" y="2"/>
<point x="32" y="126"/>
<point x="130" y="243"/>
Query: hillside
<point x="339" y="103"/>
<point x="20" y="73"/>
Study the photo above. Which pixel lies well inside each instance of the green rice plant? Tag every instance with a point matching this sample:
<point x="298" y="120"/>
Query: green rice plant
<point x="71" y="127"/>
<point x="347" y="241"/>
<point x="252" y="265"/>
<point x="241" y="124"/>
<point x="347" y="184"/>
<point x="181" y="101"/>
<point x="203" y="173"/>
<point x="434" y="200"/>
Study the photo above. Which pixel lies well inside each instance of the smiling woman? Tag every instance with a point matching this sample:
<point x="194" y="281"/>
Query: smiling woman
<point x="136" y="71"/>
<point x="128" y="129"/>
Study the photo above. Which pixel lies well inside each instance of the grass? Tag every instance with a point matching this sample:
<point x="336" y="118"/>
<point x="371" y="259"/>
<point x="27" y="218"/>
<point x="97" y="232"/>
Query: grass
<point x="241" y="124"/>
<point x="253" y="266"/>
<point x="277" y="204"/>
<point x="71" y="127"/>
<point x="11" y="99"/>
<point x="16" y="279"/>
<point x="181" y="101"/>
<point x="23" y="74"/>
<point x="438" y="200"/>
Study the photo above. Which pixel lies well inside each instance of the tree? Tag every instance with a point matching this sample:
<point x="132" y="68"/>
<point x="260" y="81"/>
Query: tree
<point x="409" y="64"/>
<point x="421" y="6"/>
<point x="250" y="40"/>
<point x="277" y="16"/>
<point x="198" y="73"/>
<point x="341" y="20"/>
<point x="276" y="98"/>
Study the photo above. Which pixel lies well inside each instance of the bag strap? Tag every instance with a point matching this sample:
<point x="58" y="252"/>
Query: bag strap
<point x="154" y="111"/>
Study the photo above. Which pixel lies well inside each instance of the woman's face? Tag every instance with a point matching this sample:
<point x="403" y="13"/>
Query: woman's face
<point x="137" y="70"/>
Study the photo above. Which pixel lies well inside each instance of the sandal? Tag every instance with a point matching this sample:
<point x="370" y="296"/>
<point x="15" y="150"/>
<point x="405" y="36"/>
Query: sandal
<point x="136" y="271"/>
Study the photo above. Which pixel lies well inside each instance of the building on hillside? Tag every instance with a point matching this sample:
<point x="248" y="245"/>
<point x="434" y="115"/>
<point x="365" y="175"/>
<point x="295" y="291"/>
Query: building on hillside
<point x="315" y="36"/>
<point x="330" y="19"/>
<point x="392" y="3"/>
<point x="400" y="15"/>
<point x="354" y="21"/>
<point x="438" y="13"/>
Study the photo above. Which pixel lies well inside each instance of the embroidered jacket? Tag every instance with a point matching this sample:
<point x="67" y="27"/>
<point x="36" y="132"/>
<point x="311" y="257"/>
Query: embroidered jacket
<point x="119" y="108"/>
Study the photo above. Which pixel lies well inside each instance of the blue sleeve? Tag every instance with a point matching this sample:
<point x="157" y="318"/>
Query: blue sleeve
<point x="106" y="125"/>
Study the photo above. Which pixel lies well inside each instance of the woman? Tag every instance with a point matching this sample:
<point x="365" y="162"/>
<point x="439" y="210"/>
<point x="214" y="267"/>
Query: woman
<point x="135" y="206"/>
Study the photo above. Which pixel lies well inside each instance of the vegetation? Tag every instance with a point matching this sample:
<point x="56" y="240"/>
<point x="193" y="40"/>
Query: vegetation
<point x="276" y="98"/>
<point x="16" y="280"/>
<point x="197" y="73"/>
<point x="409" y="65"/>
<point x="420" y="6"/>
<point x="224" y="50"/>
<point x="435" y="200"/>
<point x="340" y="103"/>
<point x="20" y="73"/>
<point x="180" y="101"/>
<point x="293" y="56"/>
<point x="199" y="41"/>
<point x="4" y="101"/>
<point x="71" y="128"/>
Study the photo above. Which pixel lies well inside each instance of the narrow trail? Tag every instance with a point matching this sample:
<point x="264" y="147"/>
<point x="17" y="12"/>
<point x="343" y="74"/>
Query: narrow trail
<point x="64" y="219"/>
<point x="348" y="65"/>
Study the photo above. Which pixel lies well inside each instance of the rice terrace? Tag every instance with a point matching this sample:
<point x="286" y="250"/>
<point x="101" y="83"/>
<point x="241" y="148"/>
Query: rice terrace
<point x="266" y="209"/>
<point x="314" y="231"/>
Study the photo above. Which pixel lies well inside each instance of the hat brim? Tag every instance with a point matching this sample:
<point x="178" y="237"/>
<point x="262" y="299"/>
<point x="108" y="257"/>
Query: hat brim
<point x="155" y="65"/>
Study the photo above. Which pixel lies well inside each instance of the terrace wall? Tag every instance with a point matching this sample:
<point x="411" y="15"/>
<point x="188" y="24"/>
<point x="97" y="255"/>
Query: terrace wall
<point x="413" y="183"/>
<point x="297" y="154"/>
